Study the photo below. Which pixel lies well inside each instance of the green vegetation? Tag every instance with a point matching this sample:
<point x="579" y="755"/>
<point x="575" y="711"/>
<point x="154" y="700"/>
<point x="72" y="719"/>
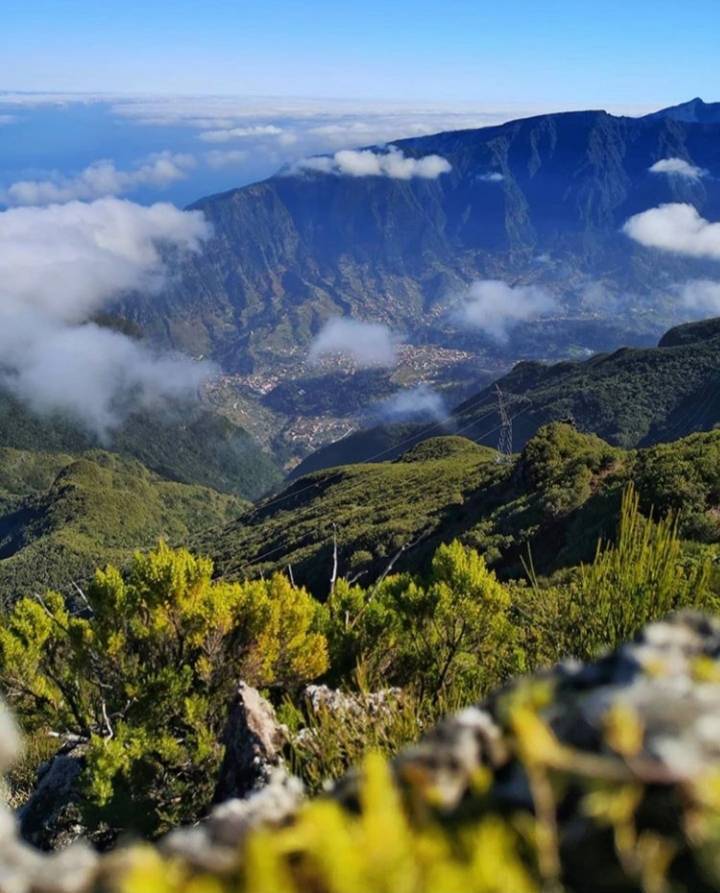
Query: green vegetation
<point x="376" y="510"/>
<point x="61" y="516"/>
<point x="145" y="671"/>
<point x="144" y="668"/>
<point x="550" y="506"/>
<point x="632" y="397"/>
<point x="640" y="579"/>
<point x="185" y="443"/>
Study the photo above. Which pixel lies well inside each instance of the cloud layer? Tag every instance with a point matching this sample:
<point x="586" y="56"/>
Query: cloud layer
<point x="366" y="163"/>
<point x="367" y="344"/>
<point x="418" y="403"/>
<point x="102" y="179"/>
<point x="495" y="308"/>
<point x="236" y="133"/>
<point x="677" y="167"/>
<point x="677" y="228"/>
<point x="58" y="267"/>
<point x="701" y="296"/>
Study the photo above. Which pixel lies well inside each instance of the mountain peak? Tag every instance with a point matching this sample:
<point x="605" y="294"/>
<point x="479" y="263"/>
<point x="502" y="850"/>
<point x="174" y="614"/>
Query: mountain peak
<point x="695" y="111"/>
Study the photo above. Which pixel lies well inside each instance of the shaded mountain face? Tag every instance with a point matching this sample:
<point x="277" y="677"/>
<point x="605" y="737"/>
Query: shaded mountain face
<point x="187" y="443"/>
<point x="540" y="200"/>
<point x="632" y="397"/>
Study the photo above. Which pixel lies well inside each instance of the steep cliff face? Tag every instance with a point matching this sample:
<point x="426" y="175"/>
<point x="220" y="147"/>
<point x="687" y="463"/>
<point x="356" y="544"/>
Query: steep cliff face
<point x="535" y="200"/>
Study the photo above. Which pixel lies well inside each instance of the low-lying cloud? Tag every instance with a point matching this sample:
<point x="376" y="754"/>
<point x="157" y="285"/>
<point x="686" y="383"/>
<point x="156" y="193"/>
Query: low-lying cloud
<point x="366" y="163"/>
<point x="494" y="177"/>
<point x="412" y="404"/>
<point x="366" y="344"/>
<point x="678" y="167"/>
<point x="100" y="179"/>
<point x="61" y="265"/>
<point x="677" y="228"/>
<point x="237" y="133"/>
<point x="495" y="308"/>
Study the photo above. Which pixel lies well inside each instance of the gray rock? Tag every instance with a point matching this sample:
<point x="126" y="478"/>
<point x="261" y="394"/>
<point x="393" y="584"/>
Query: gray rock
<point x="51" y="818"/>
<point x="253" y="741"/>
<point x="213" y="844"/>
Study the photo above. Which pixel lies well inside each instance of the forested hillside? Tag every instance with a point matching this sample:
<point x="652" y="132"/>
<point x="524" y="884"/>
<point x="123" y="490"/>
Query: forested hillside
<point x="631" y="397"/>
<point x="186" y="443"/>
<point x="548" y="506"/>
<point x="63" y="515"/>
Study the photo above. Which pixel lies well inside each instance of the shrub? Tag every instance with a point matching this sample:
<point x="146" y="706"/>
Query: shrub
<point x="145" y="672"/>
<point x="449" y="633"/>
<point x="639" y="579"/>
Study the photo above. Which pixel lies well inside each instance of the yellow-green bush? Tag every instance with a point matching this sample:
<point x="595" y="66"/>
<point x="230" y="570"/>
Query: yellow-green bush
<point x="451" y="632"/>
<point x="145" y="668"/>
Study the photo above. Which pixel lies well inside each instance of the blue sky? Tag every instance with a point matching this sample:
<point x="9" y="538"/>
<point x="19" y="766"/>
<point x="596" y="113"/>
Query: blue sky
<point x="224" y="92"/>
<point x="556" y="52"/>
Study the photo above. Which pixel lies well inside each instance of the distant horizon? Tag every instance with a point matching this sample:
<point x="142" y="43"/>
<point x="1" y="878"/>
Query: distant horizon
<point x="151" y="146"/>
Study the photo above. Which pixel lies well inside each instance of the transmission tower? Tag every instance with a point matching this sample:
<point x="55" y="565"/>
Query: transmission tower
<point x="505" y="439"/>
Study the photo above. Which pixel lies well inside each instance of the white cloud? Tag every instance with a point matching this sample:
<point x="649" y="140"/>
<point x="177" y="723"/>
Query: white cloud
<point x="493" y="177"/>
<point x="677" y="228"/>
<point x="420" y="402"/>
<point x="702" y="296"/>
<point x="235" y="133"/>
<point x="58" y="267"/>
<point x="494" y="307"/>
<point x="677" y="167"/>
<point x="366" y="163"/>
<point x="101" y="179"/>
<point x="220" y="158"/>
<point x="367" y="344"/>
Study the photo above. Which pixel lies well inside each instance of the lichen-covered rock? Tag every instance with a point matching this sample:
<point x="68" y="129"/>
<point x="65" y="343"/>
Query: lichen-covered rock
<point x="650" y="710"/>
<point x="213" y="844"/>
<point x="322" y="697"/>
<point x="253" y="740"/>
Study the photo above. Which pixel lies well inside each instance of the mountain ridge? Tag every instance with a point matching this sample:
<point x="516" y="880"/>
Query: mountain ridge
<point x="290" y="251"/>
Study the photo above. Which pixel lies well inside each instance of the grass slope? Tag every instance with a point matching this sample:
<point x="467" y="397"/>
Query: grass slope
<point x="552" y="503"/>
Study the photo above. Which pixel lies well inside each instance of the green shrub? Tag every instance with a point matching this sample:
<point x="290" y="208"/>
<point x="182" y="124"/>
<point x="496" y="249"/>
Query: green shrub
<point x="449" y="633"/>
<point x="641" y="578"/>
<point x="146" y="672"/>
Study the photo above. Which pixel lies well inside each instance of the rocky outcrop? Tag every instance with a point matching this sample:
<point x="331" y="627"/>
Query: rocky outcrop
<point x="213" y="845"/>
<point x="323" y="698"/>
<point x="253" y="741"/>
<point x="24" y="868"/>
<point x="51" y="818"/>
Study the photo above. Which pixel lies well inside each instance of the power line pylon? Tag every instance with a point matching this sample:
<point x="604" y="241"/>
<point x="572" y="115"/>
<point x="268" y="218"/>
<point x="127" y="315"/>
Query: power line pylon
<point x="505" y="439"/>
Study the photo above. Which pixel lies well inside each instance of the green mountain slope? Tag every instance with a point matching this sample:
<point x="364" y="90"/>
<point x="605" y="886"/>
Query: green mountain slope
<point x="632" y="397"/>
<point x="63" y="515"/>
<point x="186" y="443"/>
<point x="553" y="502"/>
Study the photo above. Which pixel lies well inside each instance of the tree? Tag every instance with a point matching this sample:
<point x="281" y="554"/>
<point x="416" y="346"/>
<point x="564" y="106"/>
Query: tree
<point x="145" y="672"/>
